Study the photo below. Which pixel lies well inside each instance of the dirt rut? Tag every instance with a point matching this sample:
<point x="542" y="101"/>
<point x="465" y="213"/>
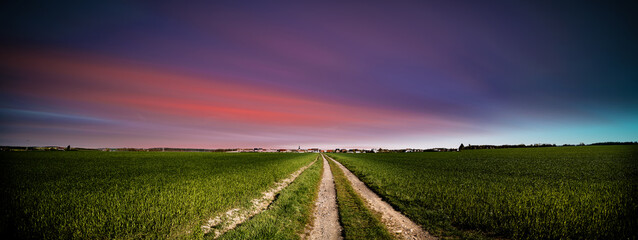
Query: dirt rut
<point x="398" y="224"/>
<point x="326" y="223"/>
<point x="230" y="219"/>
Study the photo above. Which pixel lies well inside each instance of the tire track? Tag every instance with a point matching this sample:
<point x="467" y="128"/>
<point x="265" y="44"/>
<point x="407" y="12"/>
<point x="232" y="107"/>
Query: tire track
<point x="230" y="219"/>
<point x="326" y="216"/>
<point x="397" y="223"/>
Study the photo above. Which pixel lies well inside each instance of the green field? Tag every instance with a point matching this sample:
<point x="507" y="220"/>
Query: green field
<point x="531" y="193"/>
<point x="124" y="195"/>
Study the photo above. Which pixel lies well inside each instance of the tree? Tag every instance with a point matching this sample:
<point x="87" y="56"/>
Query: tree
<point x="68" y="148"/>
<point x="461" y="147"/>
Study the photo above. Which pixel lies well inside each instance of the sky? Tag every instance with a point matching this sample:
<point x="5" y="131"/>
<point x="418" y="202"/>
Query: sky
<point x="328" y="74"/>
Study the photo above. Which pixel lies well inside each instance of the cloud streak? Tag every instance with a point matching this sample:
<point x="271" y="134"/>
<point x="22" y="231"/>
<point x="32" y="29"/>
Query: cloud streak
<point x="115" y="89"/>
<point x="319" y="73"/>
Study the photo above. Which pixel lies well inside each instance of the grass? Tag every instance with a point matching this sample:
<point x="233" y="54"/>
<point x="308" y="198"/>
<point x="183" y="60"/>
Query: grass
<point x="123" y="195"/>
<point x="288" y="215"/>
<point x="357" y="220"/>
<point x="533" y="193"/>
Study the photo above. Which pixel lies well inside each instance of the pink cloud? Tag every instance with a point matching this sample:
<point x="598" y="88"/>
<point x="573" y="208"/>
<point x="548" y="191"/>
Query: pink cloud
<point x="116" y="89"/>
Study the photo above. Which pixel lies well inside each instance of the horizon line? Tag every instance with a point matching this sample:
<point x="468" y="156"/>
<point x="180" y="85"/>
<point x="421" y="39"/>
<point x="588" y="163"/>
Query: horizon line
<point x="320" y="148"/>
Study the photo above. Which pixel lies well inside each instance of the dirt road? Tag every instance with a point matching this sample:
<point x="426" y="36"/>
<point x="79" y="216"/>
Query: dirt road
<point x="398" y="224"/>
<point x="326" y="224"/>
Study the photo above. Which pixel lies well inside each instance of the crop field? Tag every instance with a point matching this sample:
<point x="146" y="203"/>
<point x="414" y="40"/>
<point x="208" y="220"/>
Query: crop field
<point x="141" y="195"/>
<point x="531" y="193"/>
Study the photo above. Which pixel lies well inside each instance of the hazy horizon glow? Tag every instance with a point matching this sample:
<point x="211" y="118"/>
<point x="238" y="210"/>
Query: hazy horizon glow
<point x="282" y="75"/>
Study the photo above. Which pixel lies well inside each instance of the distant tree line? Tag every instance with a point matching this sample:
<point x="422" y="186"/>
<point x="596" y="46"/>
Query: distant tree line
<point x="615" y="143"/>
<point x="473" y="147"/>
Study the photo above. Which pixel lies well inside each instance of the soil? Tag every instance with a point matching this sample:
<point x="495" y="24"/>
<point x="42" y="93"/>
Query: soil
<point x="398" y="224"/>
<point x="326" y="216"/>
<point x="230" y="219"/>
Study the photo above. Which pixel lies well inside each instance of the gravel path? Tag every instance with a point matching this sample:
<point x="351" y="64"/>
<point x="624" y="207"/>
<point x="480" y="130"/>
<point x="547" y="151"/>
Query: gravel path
<point x="398" y="224"/>
<point x="326" y="223"/>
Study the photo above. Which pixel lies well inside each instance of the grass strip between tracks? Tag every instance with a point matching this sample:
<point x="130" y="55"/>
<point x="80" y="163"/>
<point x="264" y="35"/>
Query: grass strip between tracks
<point x="357" y="220"/>
<point x="288" y="215"/>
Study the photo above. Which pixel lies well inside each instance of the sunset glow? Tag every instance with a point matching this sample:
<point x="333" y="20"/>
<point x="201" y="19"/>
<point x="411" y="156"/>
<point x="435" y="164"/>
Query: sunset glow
<point x="317" y="75"/>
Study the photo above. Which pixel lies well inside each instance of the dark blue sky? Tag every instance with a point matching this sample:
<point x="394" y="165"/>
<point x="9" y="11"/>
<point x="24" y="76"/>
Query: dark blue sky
<point x="278" y="74"/>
